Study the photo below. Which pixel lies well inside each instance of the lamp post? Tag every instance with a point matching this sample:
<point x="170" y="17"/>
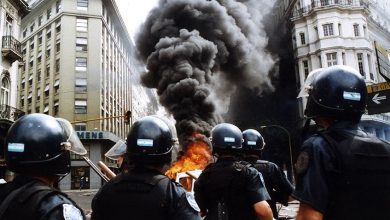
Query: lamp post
<point x="289" y="146"/>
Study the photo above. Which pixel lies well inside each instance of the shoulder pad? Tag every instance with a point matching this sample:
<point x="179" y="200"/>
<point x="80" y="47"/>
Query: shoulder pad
<point x="191" y="200"/>
<point x="71" y="212"/>
<point x="302" y="162"/>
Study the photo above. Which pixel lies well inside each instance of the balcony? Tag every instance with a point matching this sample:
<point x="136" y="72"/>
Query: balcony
<point x="10" y="113"/>
<point x="11" y="49"/>
<point x="326" y="4"/>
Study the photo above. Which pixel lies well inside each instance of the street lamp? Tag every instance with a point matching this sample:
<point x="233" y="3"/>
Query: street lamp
<point x="289" y="145"/>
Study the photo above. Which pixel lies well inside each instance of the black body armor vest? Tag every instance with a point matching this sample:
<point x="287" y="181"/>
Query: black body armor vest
<point x="360" y="187"/>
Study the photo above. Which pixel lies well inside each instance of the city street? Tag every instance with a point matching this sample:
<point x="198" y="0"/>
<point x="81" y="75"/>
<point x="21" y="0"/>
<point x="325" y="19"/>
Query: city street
<point x="84" y="197"/>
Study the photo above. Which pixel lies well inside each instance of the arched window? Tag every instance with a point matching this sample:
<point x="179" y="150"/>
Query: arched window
<point x="4" y="91"/>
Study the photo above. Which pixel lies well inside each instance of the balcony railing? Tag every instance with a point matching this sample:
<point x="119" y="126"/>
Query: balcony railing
<point x="317" y="4"/>
<point x="10" y="113"/>
<point x="11" y="48"/>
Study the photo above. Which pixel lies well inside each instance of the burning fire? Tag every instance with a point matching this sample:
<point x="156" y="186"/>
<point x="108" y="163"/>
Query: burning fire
<point x="197" y="156"/>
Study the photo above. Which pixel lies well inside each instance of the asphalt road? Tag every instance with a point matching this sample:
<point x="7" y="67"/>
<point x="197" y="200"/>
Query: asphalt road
<point x="83" y="198"/>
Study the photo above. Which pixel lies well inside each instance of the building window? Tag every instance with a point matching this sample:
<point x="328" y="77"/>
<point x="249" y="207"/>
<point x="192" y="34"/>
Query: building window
<point x="328" y="29"/>
<point x="370" y="67"/>
<point x="56" y="107"/>
<point x="81" y="85"/>
<point x="58" y="46"/>
<point x="30" y="80"/>
<point x="8" y="25"/>
<point x="82" y="24"/>
<point x="47" y="70"/>
<point x="24" y="33"/>
<point x="364" y="30"/>
<point x="4" y="91"/>
<point x="343" y="56"/>
<point x="29" y="98"/>
<point x="81" y="64"/>
<point x="47" y="88"/>
<point x="360" y="63"/>
<point x="48" y="14"/>
<point x="340" y="33"/>
<point x="331" y="58"/>
<point x="82" y="5"/>
<point x="57" y="65"/>
<point x="305" y="68"/>
<point x="40" y="19"/>
<point x="80" y="127"/>
<point x="40" y="38"/>
<point x="39" y="75"/>
<point x="58" y="27"/>
<point x="38" y="94"/>
<point x="56" y="85"/>
<point x="356" y="30"/>
<point x="48" y="50"/>
<point x="324" y="2"/>
<point x="80" y="106"/>
<point x="32" y="46"/>
<point x="48" y="35"/>
<point x="81" y="44"/>
<point x="32" y="27"/>
<point x="58" y="6"/>
<point x="46" y="109"/>
<point x="303" y="40"/>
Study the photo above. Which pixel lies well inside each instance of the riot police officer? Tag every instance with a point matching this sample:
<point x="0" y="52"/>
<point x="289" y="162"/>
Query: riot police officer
<point x="142" y="191"/>
<point x="38" y="150"/>
<point x="276" y="182"/>
<point x="342" y="172"/>
<point x="228" y="189"/>
<point x="117" y="153"/>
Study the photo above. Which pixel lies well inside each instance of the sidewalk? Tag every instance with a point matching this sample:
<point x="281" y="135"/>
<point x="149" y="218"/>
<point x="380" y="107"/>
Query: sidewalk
<point x="290" y="211"/>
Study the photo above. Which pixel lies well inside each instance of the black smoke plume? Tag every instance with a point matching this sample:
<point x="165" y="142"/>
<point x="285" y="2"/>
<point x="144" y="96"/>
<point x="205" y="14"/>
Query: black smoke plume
<point x="198" y="52"/>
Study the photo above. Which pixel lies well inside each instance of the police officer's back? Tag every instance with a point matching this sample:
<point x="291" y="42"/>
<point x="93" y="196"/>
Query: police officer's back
<point x="276" y="182"/>
<point x="142" y="191"/>
<point x="342" y="172"/>
<point x="38" y="150"/>
<point x="227" y="189"/>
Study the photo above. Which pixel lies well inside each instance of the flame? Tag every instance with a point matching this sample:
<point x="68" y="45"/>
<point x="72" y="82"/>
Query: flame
<point x="197" y="156"/>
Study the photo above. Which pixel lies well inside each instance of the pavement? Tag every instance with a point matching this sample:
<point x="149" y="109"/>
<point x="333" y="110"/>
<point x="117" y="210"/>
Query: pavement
<point x="84" y="197"/>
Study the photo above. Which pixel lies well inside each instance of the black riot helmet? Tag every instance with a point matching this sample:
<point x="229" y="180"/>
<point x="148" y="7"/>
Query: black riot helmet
<point x="38" y="144"/>
<point x="253" y="141"/>
<point x="338" y="92"/>
<point x="150" y="141"/>
<point x="226" y="137"/>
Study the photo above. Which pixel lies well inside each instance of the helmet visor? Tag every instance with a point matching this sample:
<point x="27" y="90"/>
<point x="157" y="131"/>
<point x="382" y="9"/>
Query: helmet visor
<point x="73" y="143"/>
<point x="305" y="90"/>
<point x="119" y="149"/>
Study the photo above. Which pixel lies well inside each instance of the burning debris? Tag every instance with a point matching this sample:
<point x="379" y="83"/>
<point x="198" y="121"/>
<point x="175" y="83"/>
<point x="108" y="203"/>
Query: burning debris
<point x="198" y="51"/>
<point x="196" y="157"/>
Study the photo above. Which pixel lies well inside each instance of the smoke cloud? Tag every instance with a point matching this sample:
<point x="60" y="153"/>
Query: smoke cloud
<point x="198" y="52"/>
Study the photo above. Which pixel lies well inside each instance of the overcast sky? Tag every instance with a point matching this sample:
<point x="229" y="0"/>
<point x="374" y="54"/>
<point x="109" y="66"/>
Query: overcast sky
<point x="134" y="12"/>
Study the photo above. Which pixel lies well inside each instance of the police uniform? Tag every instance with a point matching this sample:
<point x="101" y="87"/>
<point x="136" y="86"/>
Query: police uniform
<point x="278" y="187"/>
<point x="229" y="188"/>
<point x="344" y="173"/>
<point x="28" y="198"/>
<point x="144" y="194"/>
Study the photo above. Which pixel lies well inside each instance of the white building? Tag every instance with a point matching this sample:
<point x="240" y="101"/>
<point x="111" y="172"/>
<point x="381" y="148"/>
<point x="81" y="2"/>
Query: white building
<point x="342" y="32"/>
<point x="11" y="13"/>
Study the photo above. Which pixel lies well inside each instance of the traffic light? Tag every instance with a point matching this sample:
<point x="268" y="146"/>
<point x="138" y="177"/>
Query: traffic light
<point x="127" y="117"/>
